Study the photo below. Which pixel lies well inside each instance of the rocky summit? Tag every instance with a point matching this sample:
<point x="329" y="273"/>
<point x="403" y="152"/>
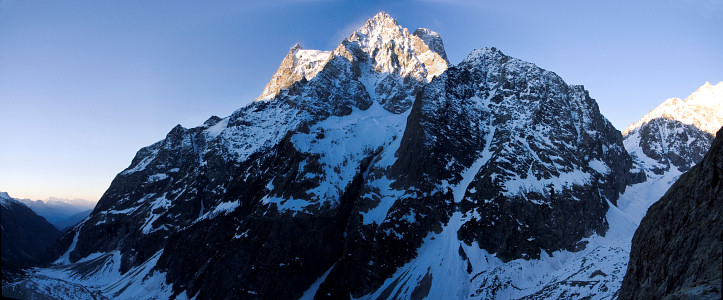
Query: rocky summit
<point x="375" y="170"/>
<point x="676" y="134"/>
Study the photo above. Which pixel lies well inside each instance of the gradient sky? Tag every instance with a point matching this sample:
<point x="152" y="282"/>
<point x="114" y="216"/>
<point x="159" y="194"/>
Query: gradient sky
<point x="85" y="84"/>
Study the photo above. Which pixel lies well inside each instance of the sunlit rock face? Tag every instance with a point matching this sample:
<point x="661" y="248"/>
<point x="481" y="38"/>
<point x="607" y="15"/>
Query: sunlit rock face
<point x="297" y="65"/>
<point x="676" y="134"/>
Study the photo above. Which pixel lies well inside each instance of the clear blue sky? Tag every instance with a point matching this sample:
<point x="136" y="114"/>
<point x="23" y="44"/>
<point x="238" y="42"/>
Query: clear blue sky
<point x="85" y="84"/>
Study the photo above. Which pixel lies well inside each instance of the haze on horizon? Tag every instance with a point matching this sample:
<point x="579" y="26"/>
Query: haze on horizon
<point x="84" y="85"/>
<point x="56" y="200"/>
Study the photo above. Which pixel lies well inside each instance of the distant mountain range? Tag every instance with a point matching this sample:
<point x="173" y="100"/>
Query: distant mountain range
<point x="62" y="213"/>
<point x="380" y="171"/>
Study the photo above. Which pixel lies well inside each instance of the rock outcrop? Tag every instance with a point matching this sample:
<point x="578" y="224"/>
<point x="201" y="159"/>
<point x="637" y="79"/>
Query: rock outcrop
<point x="299" y="64"/>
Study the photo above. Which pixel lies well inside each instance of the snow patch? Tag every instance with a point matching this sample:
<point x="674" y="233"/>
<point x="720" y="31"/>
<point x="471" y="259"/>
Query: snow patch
<point x="159" y="203"/>
<point x="215" y="130"/>
<point x="520" y="186"/>
<point x="99" y="273"/>
<point x="311" y="291"/>
<point x="156" y="177"/>
<point x="345" y="143"/>
<point x="599" y="166"/>
<point x="143" y="163"/>
<point x="65" y="258"/>
<point x="388" y="197"/>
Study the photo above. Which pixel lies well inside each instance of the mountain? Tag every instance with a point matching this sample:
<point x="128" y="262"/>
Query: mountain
<point x="597" y="272"/>
<point x="375" y="170"/>
<point x="62" y="213"/>
<point x="677" y="133"/>
<point x="683" y="128"/>
<point x="25" y="235"/>
<point x="676" y="251"/>
<point x="670" y="140"/>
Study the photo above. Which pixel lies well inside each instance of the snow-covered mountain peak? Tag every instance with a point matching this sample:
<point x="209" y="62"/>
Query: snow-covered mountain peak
<point x="5" y="198"/>
<point x="380" y="24"/>
<point x="298" y="64"/>
<point x="708" y="95"/>
<point x="380" y="48"/>
<point x="677" y="132"/>
<point x="394" y="50"/>
<point x="378" y="31"/>
<point x="491" y="57"/>
<point x="380" y="62"/>
<point x="479" y="54"/>
<point x="702" y="109"/>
